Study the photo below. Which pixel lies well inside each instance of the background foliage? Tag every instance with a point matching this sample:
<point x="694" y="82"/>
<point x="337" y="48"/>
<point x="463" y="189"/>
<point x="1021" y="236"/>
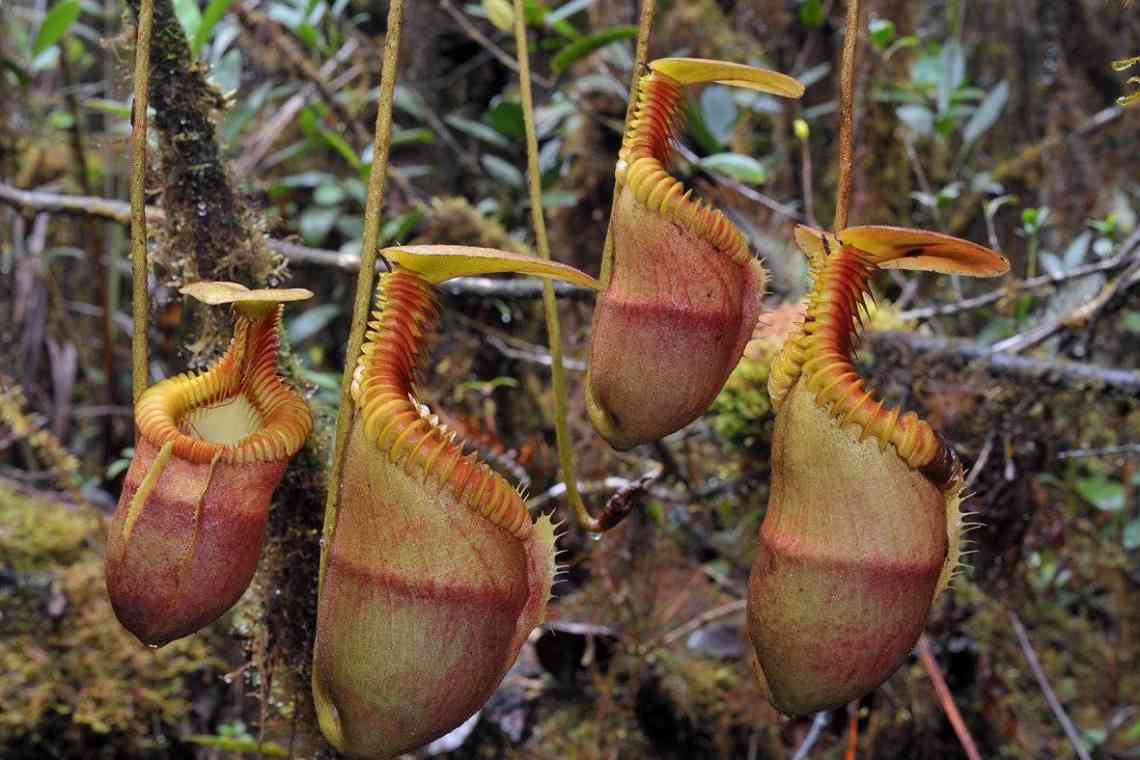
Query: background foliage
<point x="993" y="121"/>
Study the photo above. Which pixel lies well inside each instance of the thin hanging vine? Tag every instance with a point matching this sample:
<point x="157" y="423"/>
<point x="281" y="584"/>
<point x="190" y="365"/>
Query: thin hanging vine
<point x="374" y="204"/>
<point x="847" y="116"/>
<point x="618" y="506"/>
<point x="140" y="297"/>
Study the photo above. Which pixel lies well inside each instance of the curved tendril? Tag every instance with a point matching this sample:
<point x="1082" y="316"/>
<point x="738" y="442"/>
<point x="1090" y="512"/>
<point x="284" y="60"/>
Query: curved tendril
<point x="621" y="503"/>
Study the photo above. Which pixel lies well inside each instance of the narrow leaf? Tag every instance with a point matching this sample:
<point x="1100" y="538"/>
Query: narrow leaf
<point x="310" y="322"/>
<point x="502" y="170"/>
<point x="56" y="23"/>
<point x="581" y="48"/>
<point x="214" y="13"/>
<point x="477" y="130"/>
<point x="987" y="114"/>
<point x="736" y="166"/>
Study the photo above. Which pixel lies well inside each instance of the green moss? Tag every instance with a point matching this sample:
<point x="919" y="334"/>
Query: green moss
<point x="71" y="678"/>
<point x="35" y="534"/>
<point x="742" y="413"/>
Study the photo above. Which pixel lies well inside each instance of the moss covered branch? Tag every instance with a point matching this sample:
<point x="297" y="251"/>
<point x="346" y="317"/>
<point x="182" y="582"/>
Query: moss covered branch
<point x="209" y="231"/>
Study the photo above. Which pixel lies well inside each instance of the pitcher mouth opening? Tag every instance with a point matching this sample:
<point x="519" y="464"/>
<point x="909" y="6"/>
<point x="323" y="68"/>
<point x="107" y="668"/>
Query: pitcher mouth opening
<point x="238" y="411"/>
<point x="227" y="423"/>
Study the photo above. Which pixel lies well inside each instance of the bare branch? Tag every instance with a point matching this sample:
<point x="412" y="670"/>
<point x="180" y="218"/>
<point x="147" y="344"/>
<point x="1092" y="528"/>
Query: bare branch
<point x="1047" y="690"/>
<point x="1055" y="372"/>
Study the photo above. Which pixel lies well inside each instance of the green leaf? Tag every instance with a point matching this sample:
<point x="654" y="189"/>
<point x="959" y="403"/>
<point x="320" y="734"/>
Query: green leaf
<point x="1104" y="494"/>
<point x="56" y="23"/>
<point x="240" y="745"/>
<point x="918" y="119"/>
<point x="1132" y="539"/>
<point x="719" y="112"/>
<point x="987" y="114"/>
<point x="189" y="16"/>
<point x="413" y="136"/>
<point x="699" y="129"/>
<point x="477" y="130"/>
<point x="328" y="194"/>
<point x="338" y="144"/>
<point x="310" y="322"/>
<point x="953" y="74"/>
<point x="581" y="48"/>
<point x="559" y="199"/>
<point x="214" y="13"/>
<point x="882" y="33"/>
<point x="736" y="166"/>
<point x="397" y="230"/>
<point x="811" y="14"/>
<point x="506" y="116"/>
<point x="112" y="107"/>
<point x="502" y="170"/>
<point x="316" y="222"/>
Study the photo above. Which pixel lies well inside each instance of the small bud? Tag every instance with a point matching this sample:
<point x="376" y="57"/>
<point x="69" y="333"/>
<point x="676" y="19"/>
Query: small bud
<point x="683" y="290"/>
<point x="862" y="527"/>
<point x="185" y="539"/>
<point x="500" y="13"/>
<point x="802" y="130"/>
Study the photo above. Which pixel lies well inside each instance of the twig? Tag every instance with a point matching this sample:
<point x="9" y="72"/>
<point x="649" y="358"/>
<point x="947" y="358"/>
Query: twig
<point x="488" y="44"/>
<point x="946" y="699"/>
<point x="611" y="484"/>
<point x="700" y="621"/>
<point x="518" y="289"/>
<point x="370" y="238"/>
<point x="1105" y="451"/>
<point x="847" y="116"/>
<point x="818" y="723"/>
<point x="1035" y="283"/>
<point x="92" y="245"/>
<point x="284" y="43"/>
<point x="259" y="143"/>
<point x="1016" y="166"/>
<point x="1055" y="372"/>
<point x="523" y="288"/>
<point x="920" y="175"/>
<point x="535" y="355"/>
<point x="102" y="207"/>
<point x="1043" y="682"/>
<point x="979" y="464"/>
<point x="852" y="730"/>
<point x="740" y="188"/>
<point x="140" y="297"/>
<point x="1080" y="315"/>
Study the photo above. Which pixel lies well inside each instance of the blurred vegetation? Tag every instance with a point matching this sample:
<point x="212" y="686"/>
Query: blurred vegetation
<point x="993" y="121"/>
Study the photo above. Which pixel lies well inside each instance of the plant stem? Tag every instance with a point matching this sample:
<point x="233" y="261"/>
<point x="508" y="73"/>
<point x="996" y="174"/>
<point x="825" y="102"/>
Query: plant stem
<point x="374" y="203"/>
<point x="640" y="57"/>
<point x="946" y="699"/>
<point x="140" y="297"/>
<point x="847" y="116"/>
<point x="617" y="509"/>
